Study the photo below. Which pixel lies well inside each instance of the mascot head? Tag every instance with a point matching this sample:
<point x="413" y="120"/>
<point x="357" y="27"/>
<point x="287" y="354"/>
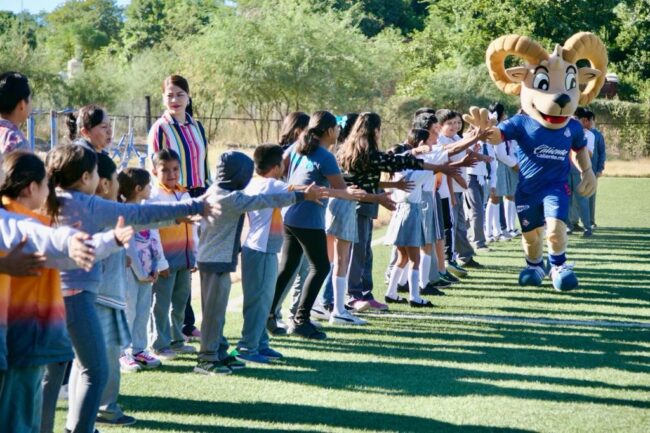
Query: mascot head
<point x="549" y="84"/>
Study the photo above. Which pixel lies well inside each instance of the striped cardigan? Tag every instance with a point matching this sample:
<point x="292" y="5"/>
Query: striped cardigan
<point x="189" y="141"/>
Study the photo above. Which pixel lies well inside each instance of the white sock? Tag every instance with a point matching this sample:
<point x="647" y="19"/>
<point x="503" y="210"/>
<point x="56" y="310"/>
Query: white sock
<point x="489" y="210"/>
<point x="393" y="281"/>
<point x="403" y="277"/>
<point x="414" y="290"/>
<point x="340" y="285"/>
<point x="496" y="223"/>
<point x="510" y="210"/>
<point x="425" y="268"/>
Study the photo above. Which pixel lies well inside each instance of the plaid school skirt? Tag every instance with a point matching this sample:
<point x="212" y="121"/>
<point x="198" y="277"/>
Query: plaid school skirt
<point x="341" y="219"/>
<point x="406" y="227"/>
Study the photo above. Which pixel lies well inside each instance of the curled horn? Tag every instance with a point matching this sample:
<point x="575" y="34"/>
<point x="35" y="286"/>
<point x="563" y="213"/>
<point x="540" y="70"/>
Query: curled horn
<point x="515" y="45"/>
<point x="585" y="45"/>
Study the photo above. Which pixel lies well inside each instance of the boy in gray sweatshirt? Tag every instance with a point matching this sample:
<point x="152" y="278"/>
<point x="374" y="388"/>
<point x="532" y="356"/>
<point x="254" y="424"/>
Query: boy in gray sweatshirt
<point x="219" y="247"/>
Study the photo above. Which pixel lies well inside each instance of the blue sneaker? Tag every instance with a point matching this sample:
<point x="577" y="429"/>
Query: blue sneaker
<point x="532" y="276"/>
<point x="248" y="357"/>
<point x="563" y="277"/>
<point x="270" y="353"/>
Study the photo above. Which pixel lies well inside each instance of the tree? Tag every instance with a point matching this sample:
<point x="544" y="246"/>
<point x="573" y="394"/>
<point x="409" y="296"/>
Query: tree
<point x="82" y="27"/>
<point x="281" y="56"/>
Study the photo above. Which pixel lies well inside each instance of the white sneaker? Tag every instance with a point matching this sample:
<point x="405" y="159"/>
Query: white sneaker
<point x="490" y="240"/>
<point x="316" y="324"/>
<point x="346" y="318"/>
<point x="514" y="233"/>
<point x="505" y="237"/>
<point x="166" y="354"/>
<point x="318" y="311"/>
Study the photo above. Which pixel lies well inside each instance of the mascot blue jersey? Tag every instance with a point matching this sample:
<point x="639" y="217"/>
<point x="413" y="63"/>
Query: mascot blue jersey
<point x="543" y="153"/>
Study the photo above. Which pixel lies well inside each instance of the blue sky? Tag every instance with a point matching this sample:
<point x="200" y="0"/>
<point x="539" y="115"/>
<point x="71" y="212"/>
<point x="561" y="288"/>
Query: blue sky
<point x="35" y="6"/>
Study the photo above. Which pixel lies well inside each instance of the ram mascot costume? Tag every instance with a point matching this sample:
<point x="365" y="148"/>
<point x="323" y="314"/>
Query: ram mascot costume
<point x="550" y="86"/>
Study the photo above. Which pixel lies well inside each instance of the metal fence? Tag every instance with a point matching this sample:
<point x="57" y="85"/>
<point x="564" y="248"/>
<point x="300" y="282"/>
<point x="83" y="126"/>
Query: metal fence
<point x="46" y="129"/>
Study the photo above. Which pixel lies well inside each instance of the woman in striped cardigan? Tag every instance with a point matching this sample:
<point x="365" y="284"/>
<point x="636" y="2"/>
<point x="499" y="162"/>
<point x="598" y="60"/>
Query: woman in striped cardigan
<point x="178" y="131"/>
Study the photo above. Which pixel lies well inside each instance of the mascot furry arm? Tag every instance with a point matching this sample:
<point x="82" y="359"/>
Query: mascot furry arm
<point x="550" y="86"/>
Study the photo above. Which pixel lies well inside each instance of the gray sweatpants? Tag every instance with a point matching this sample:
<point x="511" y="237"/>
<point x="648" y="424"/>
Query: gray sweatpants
<point x="168" y="309"/>
<point x="215" y="290"/>
<point x="475" y="211"/>
<point x="462" y="247"/>
<point x="259" y="275"/>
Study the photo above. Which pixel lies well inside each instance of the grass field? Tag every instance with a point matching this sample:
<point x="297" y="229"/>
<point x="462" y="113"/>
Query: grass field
<point x="492" y="357"/>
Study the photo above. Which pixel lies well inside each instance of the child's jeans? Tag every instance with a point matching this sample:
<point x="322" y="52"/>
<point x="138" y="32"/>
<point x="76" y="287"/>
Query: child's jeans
<point x="166" y="327"/>
<point x="113" y="322"/>
<point x="138" y="307"/>
<point x="259" y="273"/>
<point x="52" y="381"/>
<point x="89" y="370"/>
<point x="215" y="290"/>
<point x="20" y="399"/>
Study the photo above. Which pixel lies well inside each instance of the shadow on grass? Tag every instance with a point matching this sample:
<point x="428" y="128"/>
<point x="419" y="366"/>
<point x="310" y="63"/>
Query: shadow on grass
<point x="314" y="416"/>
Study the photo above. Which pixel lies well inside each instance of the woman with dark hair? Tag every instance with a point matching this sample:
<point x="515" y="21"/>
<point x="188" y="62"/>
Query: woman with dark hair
<point x="177" y="130"/>
<point x="292" y="126"/>
<point x="304" y="223"/>
<point x="90" y="127"/>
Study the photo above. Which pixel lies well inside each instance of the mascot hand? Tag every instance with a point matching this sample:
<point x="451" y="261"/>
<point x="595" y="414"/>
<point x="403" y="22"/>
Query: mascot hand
<point x="480" y="119"/>
<point x="588" y="184"/>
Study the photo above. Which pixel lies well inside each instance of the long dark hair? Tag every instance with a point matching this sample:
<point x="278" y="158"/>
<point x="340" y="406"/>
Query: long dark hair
<point x="21" y="169"/>
<point x="319" y="123"/>
<point x="86" y="117"/>
<point x="65" y="165"/>
<point x="346" y="126"/>
<point x="498" y="108"/>
<point x="354" y="154"/>
<point x="416" y="136"/>
<point x="129" y="179"/>
<point x="292" y="126"/>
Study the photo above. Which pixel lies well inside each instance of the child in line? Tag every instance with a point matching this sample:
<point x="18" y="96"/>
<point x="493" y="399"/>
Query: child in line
<point x="218" y="250"/>
<point x="111" y="307"/>
<point x="146" y="260"/>
<point x="259" y="262"/>
<point x="406" y="232"/>
<point x="72" y="172"/>
<point x="179" y="243"/>
<point x="36" y="334"/>
<point x="15" y="107"/>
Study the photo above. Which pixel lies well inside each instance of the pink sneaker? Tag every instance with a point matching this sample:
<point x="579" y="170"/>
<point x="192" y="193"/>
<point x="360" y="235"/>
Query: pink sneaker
<point x="194" y="336"/>
<point x="376" y="305"/>
<point x="146" y="360"/>
<point x="359" y="306"/>
<point x="128" y="364"/>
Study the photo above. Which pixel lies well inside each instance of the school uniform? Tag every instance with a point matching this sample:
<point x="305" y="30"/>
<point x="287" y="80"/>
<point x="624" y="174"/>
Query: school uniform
<point x="406" y="227"/>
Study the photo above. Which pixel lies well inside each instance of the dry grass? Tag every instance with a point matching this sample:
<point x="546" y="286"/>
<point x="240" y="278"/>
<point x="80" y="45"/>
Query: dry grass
<point x="620" y="168"/>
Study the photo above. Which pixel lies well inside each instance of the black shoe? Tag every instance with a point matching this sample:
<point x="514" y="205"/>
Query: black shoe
<point x="403" y="288"/>
<point x="398" y="300"/>
<point x="431" y="289"/>
<point x="273" y="327"/>
<point x="587" y="234"/>
<point x="577" y="228"/>
<point x="124" y="420"/>
<point x="306" y="330"/>
<point x="422" y="303"/>
<point x="449" y="278"/>
<point x="471" y="263"/>
<point x="441" y="283"/>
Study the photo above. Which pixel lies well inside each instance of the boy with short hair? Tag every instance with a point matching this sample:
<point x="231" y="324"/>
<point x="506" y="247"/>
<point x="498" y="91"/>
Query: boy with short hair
<point x="179" y="242"/>
<point x="259" y="260"/>
<point x="219" y="247"/>
<point x="15" y="107"/>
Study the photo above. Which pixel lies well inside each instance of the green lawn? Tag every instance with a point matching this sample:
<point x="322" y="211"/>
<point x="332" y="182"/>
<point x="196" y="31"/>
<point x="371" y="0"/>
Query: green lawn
<point x="475" y="363"/>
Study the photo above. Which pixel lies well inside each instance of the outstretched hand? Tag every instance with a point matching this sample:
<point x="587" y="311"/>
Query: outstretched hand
<point x="18" y="263"/>
<point x="404" y="184"/>
<point x="384" y="200"/>
<point x="80" y="251"/>
<point x="315" y="193"/>
<point x="122" y="232"/>
<point x="479" y="118"/>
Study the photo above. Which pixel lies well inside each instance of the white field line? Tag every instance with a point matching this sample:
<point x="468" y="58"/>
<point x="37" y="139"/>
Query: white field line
<point x="485" y="318"/>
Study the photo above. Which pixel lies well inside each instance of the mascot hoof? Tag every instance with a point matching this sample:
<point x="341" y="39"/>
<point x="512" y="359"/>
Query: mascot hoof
<point x="532" y="276"/>
<point x="563" y="277"/>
